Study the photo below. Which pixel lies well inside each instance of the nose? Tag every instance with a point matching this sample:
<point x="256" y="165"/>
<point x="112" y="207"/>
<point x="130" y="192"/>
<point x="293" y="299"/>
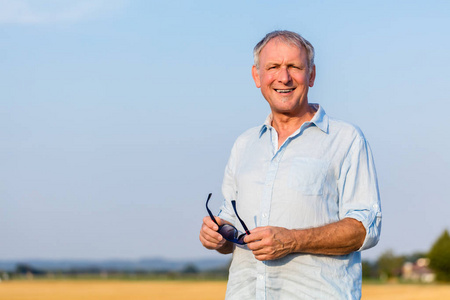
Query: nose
<point x="284" y="76"/>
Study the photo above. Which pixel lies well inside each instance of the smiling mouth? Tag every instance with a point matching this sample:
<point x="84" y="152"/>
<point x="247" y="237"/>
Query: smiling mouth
<point x="285" y="91"/>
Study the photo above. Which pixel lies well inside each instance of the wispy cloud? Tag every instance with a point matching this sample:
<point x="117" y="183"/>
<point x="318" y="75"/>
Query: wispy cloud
<point x="54" y="11"/>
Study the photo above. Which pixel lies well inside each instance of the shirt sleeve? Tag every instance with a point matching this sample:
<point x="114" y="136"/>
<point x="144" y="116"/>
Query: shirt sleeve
<point x="229" y="189"/>
<point x="359" y="195"/>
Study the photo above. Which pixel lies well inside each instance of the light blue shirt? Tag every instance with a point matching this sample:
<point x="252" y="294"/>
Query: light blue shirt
<point x="322" y="173"/>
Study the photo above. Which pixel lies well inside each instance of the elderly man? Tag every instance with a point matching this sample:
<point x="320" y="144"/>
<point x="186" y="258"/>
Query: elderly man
<point x="305" y="185"/>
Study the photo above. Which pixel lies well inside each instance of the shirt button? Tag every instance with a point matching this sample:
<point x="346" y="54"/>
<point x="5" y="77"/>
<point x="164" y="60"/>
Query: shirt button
<point x="264" y="215"/>
<point x="260" y="277"/>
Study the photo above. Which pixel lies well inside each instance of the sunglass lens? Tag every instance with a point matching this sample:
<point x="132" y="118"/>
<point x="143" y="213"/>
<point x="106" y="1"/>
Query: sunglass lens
<point x="240" y="239"/>
<point x="228" y="232"/>
<point x="231" y="234"/>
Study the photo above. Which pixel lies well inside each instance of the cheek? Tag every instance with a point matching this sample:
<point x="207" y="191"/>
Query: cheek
<point x="302" y="79"/>
<point x="266" y="80"/>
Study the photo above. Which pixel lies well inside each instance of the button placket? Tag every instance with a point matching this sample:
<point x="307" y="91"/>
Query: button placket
<point x="265" y="214"/>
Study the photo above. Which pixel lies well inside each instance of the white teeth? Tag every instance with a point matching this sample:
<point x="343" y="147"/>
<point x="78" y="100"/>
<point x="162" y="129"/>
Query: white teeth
<point x="284" y="91"/>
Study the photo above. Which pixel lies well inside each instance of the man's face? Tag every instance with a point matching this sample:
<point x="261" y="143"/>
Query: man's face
<point x="284" y="77"/>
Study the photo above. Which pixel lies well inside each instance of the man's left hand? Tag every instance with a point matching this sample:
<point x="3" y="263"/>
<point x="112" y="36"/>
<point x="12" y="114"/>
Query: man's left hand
<point x="268" y="243"/>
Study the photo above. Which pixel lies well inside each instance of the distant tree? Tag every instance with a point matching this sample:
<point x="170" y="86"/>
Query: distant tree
<point x="22" y="268"/>
<point x="390" y="265"/>
<point x="369" y="269"/>
<point x="439" y="256"/>
<point x="415" y="256"/>
<point x="190" y="269"/>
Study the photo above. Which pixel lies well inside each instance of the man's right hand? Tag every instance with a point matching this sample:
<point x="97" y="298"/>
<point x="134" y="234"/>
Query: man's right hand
<point x="211" y="239"/>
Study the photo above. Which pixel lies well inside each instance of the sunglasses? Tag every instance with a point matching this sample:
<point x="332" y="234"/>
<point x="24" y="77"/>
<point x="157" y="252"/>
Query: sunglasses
<point x="229" y="232"/>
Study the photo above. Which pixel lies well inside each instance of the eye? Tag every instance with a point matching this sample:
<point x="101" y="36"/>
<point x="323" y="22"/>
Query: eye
<point x="297" y="67"/>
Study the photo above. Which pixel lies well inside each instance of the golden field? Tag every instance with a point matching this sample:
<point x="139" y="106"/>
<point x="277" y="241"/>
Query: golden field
<point x="188" y="290"/>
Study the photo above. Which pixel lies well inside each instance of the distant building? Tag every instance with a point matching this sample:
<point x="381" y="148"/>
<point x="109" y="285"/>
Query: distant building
<point x="418" y="271"/>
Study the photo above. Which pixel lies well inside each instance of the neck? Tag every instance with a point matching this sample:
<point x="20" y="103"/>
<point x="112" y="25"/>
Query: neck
<point x="286" y="124"/>
<point x="283" y="122"/>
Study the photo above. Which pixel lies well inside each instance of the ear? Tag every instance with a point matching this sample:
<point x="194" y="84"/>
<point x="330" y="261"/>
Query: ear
<point x="312" y="76"/>
<point x="255" y="75"/>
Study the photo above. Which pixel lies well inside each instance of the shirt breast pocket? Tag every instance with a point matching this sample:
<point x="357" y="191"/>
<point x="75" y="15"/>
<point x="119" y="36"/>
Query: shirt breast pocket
<point x="307" y="175"/>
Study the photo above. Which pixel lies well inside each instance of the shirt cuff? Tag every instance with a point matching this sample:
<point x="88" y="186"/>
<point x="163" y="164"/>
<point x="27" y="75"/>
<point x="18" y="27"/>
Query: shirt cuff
<point x="371" y="220"/>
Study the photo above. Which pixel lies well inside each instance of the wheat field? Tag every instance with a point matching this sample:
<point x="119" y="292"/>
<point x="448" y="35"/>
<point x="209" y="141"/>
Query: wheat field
<point x="188" y="290"/>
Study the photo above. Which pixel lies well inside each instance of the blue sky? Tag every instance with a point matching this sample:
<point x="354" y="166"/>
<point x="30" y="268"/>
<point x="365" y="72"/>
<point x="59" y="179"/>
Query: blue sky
<point x="117" y="117"/>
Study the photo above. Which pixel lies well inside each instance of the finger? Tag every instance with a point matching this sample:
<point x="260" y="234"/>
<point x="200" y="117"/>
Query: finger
<point x="209" y="223"/>
<point x="255" y="235"/>
<point x="254" y="245"/>
<point x="211" y="244"/>
<point x="249" y="239"/>
<point x="262" y="257"/>
<point x="209" y="238"/>
<point x="263" y="251"/>
<point x="259" y="251"/>
<point x="210" y="234"/>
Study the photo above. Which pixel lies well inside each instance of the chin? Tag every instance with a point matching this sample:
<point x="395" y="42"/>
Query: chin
<point x="285" y="99"/>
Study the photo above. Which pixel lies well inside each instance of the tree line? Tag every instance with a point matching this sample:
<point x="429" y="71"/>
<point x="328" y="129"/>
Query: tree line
<point x="389" y="265"/>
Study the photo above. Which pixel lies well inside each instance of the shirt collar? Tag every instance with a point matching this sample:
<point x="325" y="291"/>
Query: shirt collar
<point x="320" y="119"/>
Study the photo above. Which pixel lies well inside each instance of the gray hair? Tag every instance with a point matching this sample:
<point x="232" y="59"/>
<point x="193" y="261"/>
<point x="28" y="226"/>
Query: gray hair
<point x="288" y="37"/>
